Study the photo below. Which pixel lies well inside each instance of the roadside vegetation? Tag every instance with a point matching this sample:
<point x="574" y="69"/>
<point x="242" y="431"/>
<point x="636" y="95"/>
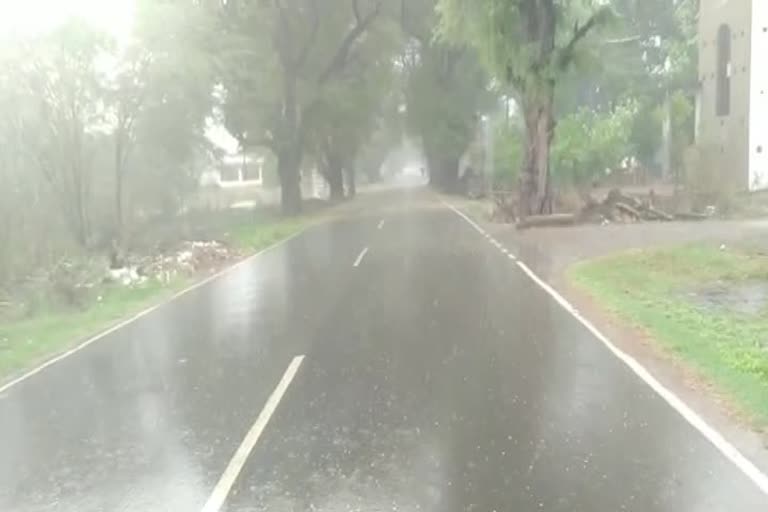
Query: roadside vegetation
<point x="704" y="304"/>
<point x="114" y="149"/>
<point x="584" y="95"/>
<point x="106" y="154"/>
<point x="57" y="318"/>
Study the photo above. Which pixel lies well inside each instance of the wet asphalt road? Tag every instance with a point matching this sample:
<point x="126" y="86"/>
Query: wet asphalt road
<point x="437" y="377"/>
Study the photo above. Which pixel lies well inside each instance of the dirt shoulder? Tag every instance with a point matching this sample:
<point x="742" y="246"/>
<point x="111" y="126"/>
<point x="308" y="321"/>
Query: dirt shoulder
<point x="550" y="252"/>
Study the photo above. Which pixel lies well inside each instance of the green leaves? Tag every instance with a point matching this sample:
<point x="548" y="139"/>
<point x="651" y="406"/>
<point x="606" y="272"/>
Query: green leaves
<point x="444" y="95"/>
<point x="522" y="43"/>
<point x="588" y="142"/>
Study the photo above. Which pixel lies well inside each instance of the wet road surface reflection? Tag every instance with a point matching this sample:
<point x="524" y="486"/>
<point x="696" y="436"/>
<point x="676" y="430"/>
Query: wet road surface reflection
<point x="437" y="378"/>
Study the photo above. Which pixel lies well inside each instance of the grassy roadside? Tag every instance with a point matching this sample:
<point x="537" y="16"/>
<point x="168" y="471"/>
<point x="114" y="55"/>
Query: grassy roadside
<point x="650" y="289"/>
<point x="31" y="340"/>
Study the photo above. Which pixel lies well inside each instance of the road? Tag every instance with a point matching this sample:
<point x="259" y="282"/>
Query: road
<point x="426" y="373"/>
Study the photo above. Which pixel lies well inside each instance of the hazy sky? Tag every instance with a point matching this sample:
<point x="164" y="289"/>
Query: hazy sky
<point x="30" y="17"/>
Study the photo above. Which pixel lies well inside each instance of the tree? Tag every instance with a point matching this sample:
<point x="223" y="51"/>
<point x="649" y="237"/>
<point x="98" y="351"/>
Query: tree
<point x="528" y="44"/>
<point x="444" y="96"/>
<point x="647" y="56"/>
<point x="62" y="92"/>
<point x="127" y="97"/>
<point x="345" y="114"/>
<point x="446" y="88"/>
<point x="278" y="58"/>
<point x="92" y="131"/>
<point x="590" y="141"/>
<point x="161" y="98"/>
<point x="386" y="135"/>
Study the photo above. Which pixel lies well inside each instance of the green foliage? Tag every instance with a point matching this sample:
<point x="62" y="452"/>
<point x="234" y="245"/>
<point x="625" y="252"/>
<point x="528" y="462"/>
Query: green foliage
<point x="647" y="135"/>
<point x="28" y="341"/>
<point x="588" y="142"/>
<point x="445" y="92"/>
<point x="682" y="119"/>
<point x="649" y="289"/>
<point x="255" y="236"/>
<point x="79" y="110"/>
<point x="387" y="135"/>
<point x="647" y="131"/>
<point x="650" y="48"/>
<point x="443" y="111"/>
<point x="647" y="55"/>
<point x="170" y="109"/>
<point x="528" y="47"/>
<point x="25" y="341"/>
<point x="347" y="111"/>
<point x="293" y="72"/>
<point x="528" y="59"/>
<point x="445" y="89"/>
<point x="508" y="155"/>
<point x="58" y="93"/>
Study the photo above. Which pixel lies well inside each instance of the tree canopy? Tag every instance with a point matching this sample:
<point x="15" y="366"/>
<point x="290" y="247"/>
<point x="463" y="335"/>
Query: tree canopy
<point x="97" y="132"/>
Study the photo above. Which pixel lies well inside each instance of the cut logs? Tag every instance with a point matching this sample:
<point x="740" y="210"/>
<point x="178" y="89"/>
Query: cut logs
<point x="540" y="221"/>
<point x="617" y="207"/>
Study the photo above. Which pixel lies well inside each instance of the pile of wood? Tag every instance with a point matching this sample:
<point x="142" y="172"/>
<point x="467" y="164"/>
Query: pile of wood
<point x="617" y="207"/>
<point x="504" y="206"/>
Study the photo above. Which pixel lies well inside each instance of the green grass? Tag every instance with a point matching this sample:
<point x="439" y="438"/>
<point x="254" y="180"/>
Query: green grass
<point x="647" y="288"/>
<point x="29" y="341"/>
<point x="251" y="236"/>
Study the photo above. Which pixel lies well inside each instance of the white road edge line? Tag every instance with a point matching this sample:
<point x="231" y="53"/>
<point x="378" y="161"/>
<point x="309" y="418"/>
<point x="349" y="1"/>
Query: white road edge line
<point x="717" y="439"/>
<point x="360" y="257"/>
<point x="130" y="320"/>
<point x="381" y="224"/>
<point x="228" y="478"/>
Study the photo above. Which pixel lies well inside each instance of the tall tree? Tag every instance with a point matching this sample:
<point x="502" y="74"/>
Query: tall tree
<point x="446" y="88"/>
<point x="647" y="56"/>
<point x="527" y="44"/>
<point x="127" y="96"/>
<point x="345" y="114"/>
<point x="278" y="57"/>
<point x="161" y="97"/>
<point x="63" y="90"/>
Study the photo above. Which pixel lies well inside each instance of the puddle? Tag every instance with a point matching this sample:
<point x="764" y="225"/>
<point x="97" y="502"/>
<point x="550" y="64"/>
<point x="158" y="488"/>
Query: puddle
<point x="746" y="297"/>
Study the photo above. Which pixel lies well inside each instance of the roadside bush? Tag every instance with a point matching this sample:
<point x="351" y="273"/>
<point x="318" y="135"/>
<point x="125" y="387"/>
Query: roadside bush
<point x="589" y="141"/>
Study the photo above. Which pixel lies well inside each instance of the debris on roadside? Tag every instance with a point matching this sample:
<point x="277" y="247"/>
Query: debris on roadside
<point x="616" y="207"/>
<point x="126" y="276"/>
<point x="190" y="258"/>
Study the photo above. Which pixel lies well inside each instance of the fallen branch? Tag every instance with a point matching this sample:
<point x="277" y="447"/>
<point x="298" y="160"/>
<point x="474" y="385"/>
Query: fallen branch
<point x="629" y="210"/>
<point x="539" y="221"/>
<point x="691" y="216"/>
<point x="659" y="214"/>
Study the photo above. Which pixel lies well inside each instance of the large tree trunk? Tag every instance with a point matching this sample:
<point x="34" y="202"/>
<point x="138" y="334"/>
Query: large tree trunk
<point x="292" y="147"/>
<point x="119" y="190"/>
<point x="351" y="181"/>
<point x="81" y="215"/>
<point x="333" y="174"/>
<point x="288" y="170"/>
<point x="373" y="170"/>
<point x="443" y="172"/>
<point x="449" y="168"/>
<point x="433" y="167"/>
<point x="535" y="186"/>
